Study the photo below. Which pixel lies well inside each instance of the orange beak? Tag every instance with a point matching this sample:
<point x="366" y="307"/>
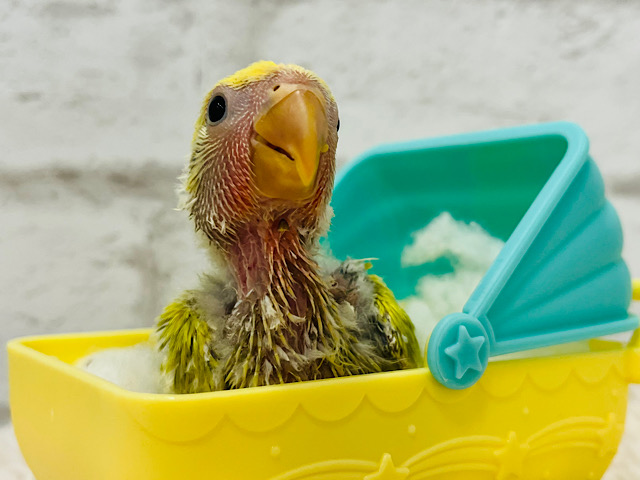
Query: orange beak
<point x="291" y="135"/>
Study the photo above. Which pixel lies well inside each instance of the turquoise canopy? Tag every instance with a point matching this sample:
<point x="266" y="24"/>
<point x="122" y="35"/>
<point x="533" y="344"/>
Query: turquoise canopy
<point x="559" y="277"/>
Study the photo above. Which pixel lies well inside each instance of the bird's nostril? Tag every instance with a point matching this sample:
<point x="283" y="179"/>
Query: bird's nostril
<point x="276" y="88"/>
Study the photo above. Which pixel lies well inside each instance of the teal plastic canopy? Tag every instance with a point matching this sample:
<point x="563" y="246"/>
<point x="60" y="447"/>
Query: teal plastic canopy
<point x="559" y="277"/>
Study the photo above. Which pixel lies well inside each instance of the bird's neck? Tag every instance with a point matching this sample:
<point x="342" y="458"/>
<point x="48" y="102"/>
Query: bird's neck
<point x="271" y="259"/>
<point x="286" y="326"/>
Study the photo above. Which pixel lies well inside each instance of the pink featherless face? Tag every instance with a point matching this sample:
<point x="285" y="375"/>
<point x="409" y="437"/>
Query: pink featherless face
<point x="263" y="151"/>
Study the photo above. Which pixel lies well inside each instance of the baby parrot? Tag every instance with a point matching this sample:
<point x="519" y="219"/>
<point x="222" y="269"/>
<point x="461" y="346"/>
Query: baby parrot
<point x="257" y="187"/>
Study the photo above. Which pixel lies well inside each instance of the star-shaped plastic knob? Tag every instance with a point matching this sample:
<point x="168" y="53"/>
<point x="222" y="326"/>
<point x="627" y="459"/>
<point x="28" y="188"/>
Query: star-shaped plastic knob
<point x="466" y="352"/>
<point x="458" y="350"/>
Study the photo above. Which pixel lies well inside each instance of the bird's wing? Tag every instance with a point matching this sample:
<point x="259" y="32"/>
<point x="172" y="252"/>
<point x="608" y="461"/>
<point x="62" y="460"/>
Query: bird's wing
<point x="397" y="331"/>
<point x="379" y="316"/>
<point x="185" y="338"/>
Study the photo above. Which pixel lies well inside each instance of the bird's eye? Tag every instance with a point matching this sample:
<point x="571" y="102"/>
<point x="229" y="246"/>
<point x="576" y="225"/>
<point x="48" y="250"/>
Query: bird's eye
<point x="338" y="126"/>
<point x="217" y="109"/>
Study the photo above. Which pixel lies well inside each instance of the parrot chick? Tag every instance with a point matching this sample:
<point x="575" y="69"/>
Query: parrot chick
<point x="257" y="187"/>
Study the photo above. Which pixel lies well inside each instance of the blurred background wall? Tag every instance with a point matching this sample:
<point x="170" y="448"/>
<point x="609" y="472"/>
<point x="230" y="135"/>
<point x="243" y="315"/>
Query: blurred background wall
<point x="98" y="100"/>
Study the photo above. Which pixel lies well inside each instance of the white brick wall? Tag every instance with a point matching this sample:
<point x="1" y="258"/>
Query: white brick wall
<point x="98" y="98"/>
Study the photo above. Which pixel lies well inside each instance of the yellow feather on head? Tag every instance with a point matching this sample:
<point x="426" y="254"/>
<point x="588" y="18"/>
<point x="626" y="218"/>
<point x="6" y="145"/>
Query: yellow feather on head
<point x="255" y="72"/>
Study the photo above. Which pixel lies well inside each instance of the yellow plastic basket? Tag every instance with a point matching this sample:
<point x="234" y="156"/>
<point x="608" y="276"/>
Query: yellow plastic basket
<point x="555" y="417"/>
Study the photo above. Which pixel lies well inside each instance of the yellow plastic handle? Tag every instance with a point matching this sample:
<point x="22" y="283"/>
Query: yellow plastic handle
<point x="632" y="359"/>
<point x="632" y="354"/>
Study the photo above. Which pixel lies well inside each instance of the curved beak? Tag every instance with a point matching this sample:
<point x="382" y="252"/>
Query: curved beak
<point x="291" y="133"/>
